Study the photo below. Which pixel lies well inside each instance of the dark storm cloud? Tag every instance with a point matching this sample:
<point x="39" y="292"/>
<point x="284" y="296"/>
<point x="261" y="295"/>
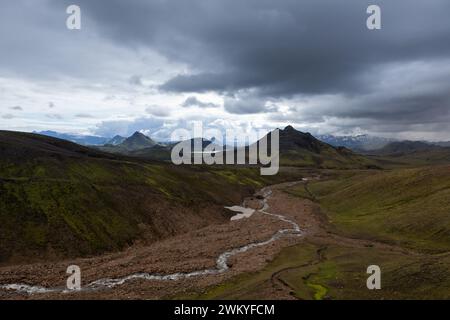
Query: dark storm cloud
<point x="255" y="53"/>
<point x="279" y="47"/>
<point x="290" y="48"/>
<point x="420" y="104"/>
<point x="421" y="97"/>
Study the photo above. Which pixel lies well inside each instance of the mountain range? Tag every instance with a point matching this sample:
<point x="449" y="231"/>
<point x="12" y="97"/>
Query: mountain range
<point x="296" y="149"/>
<point x="358" y="143"/>
<point x="77" y="138"/>
<point x="362" y="142"/>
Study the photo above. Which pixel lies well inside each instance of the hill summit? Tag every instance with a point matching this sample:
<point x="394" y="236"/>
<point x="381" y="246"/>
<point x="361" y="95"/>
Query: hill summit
<point x="137" y="141"/>
<point x="303" y="149"/>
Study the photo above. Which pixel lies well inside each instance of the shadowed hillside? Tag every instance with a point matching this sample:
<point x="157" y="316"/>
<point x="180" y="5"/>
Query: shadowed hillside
<point x="62" y="199"/>
<point x="411" y="153"/>
<point x="400" y="148"/>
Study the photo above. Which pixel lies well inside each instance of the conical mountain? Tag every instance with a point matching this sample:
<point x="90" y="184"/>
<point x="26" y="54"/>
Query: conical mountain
<point x="302" y="149"/>
<point x="137" y="141"/>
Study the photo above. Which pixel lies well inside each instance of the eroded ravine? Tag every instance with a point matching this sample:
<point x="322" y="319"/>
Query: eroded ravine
<point x="221" y="262"/>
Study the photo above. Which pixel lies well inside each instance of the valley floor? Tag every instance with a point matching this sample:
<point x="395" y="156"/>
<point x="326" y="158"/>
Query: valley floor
<point x="318" y="263"/>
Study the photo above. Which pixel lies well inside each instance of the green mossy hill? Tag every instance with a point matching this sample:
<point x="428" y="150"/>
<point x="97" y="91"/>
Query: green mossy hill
<point x="63" y="200"/>
<point x="337" y="273"/>
<point x="405" y="206"/>
<point x="304" y="150"/>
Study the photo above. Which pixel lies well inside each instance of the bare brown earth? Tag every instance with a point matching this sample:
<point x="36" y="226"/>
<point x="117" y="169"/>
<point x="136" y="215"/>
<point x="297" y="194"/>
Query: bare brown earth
<point x="195" y="250"/>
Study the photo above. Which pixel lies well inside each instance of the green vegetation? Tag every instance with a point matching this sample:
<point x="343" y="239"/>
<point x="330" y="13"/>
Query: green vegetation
<point x="59" y="199"/>
<point x="249" y="285"/>
<point x="418" y="159"/>
<point x="301" y="149"/>
<point x="328" y="158"/>
<point x="410" y="154"/>
<point x="406" y="206"/>
<point x="320" y="291"/>
<point x="340" y="273"/>
<point x="90" y="206"/>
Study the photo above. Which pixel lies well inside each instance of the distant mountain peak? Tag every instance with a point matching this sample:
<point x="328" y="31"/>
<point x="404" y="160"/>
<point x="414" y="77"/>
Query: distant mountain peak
<point x="138" y="134"/>
<point x="291" y="139"/>
<point x="118" y="139"/>
<point x="289" y="128"/>
<point x="137" y="141"/>
<point x="76" y="138"/>
<point x="297" y="148"/>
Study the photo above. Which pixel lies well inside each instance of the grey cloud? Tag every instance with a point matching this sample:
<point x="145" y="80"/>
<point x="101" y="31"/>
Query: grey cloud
<point x="17" y="108"/>
<point x="248" y="104"/>
<point x="157" y="111"/>
<point x="420" y="103"/>
<point x="40" y="48"/>
<point x="279" y="47"/>
<point x="136" y="80"/>
<point x="84" y="116"/>
<point x="290" y="48"/>
<point x="194" y="102"/>
<point x="8" y="116"/>
<point x="277" y="50"/>
<point x="204" y="82"/>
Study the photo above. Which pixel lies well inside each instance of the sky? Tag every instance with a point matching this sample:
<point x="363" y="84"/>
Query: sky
<point x="156" y="65"/>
